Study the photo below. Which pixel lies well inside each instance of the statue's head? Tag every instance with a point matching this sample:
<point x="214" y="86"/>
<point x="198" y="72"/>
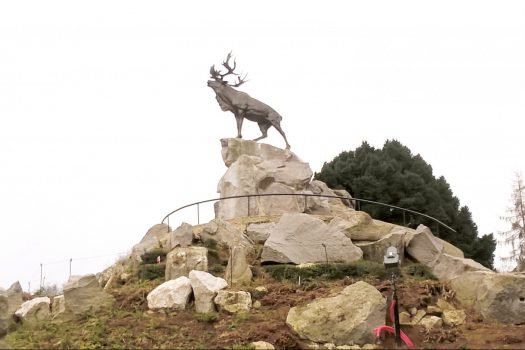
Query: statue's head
<point x="215" y="85"/>
<point x="218" y="77"/>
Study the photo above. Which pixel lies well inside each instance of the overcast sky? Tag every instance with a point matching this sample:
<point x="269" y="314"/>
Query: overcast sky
<point x="107" y="123"/>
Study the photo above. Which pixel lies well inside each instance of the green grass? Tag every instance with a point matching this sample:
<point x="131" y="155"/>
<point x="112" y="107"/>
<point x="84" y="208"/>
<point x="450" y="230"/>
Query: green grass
<point x="418" y="271"/>
<point x="330" y="271"/>
<point x="209" y="317"/>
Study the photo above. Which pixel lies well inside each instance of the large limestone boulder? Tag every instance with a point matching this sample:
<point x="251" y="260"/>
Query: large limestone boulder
<point x="82" y="293"/>
<point x="4" y="316"/>
<point x="238" y="270"/>
<point x="233" y="302"/>
<point x="375" y="251"/>
<point x="258" y="168"/>
<point x="173" y="294"/>
<point x="182" y="236"/>
<point x="423" y="246"/>
<point x="157" y="237"/>
<point x="359" y="226"/>
<point x="301" y="238"/>
<point x="14" y="297"/>
<point x="447" y="266"/>
<point x="180" y="261"/>
<point x="450" y="249"/>
<point x="346" y="318"/>
<point x="58" y="306"/>
<point x="496" y="296"/>
<point x="326" y="205"/>
<point x="225" y="233"/>
<point x="259" y="232"/>
<point x="205" y="287"/>
<point x="36" y="309"/>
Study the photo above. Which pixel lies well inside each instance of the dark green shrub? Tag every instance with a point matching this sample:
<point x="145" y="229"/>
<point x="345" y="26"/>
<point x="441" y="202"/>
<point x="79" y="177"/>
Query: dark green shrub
<point x="151" y="256"/>
<point x="152" y="271"/>
<point x="330" y="271"/>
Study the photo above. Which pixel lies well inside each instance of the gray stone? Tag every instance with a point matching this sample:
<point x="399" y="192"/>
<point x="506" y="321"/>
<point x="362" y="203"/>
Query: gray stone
<point x="434" y="310"/>
<point x="423" y="246"/>
<point x="180" y="261"/>
<point x="418" y="316"/>
<point x="182" y="236"/>
<point x="255" y="168"/>
<point x="238" y="272"/>
<point x="36" y="309"/>
<point x="431" y="322"/>
<point x="157" y="237"/>
<point x="83" y="293"/>
<point x="346" y="318"/>
<point x="233" y="302"/>
<point x="14" y="297"/>
<point x="205" y="287"/>
<point x="259" y="232"/>
<point x="454" y="317"/>
<point x="173" y="294"/>
<point x="260" y="345"/>
<point x="497" y="297"/>
<point x="359" y="226"/>
<point x="447" y="267"/>
<point x="301" y="238"/>
<point x="225" y="233"/>
<point x="404" y="318"/>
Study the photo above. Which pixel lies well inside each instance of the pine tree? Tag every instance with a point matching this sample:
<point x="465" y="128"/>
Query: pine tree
<point x="515" y="236"/>
<point x="395" y="176"/>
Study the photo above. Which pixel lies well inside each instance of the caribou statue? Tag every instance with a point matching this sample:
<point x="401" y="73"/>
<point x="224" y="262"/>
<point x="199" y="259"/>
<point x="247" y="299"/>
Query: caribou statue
<point x="241" y="104"/>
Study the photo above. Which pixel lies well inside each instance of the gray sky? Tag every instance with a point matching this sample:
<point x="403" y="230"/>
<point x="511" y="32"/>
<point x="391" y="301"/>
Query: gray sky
<point x="107" y="123"/>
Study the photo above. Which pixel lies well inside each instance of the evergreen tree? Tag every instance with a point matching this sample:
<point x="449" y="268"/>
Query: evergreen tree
<point x="394" y="176"/>
<point x="515" y="236"/>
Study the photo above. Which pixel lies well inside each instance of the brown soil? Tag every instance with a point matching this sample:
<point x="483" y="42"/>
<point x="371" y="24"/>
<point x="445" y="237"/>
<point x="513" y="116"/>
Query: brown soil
<point x="268" y="322"/>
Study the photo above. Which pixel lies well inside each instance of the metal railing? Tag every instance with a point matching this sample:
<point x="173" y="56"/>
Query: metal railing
<point x="357" y="203"/>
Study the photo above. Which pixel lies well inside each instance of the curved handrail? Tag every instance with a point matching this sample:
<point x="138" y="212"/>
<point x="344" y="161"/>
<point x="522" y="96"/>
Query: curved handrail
<point x="309" y="195"/>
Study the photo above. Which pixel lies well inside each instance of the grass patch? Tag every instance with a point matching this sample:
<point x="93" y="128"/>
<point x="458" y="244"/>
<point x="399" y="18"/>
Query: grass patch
<point x="419" y="272"/>
<point x="330" y="271"/>
<point x="208" y="317"/>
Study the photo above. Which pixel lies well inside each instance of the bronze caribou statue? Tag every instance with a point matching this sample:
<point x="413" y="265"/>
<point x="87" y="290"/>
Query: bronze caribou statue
<point x="241" y="104"/>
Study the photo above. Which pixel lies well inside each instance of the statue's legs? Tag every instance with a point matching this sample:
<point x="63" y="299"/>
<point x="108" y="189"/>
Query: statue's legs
<point x="264" y="126"/>
<point x="239" y="119"/>
<point x="278" y="127"/>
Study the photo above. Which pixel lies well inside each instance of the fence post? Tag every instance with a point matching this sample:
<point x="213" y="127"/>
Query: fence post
<point x="41" y="273"/>
<point x="248" y="206"/>
<point x="198" y="214"/>
<point x="325" y="252"/>
<point x="70" y="261"/>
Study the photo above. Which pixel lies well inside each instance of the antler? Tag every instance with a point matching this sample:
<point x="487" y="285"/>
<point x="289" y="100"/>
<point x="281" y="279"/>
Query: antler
<point x="218" y="76"/>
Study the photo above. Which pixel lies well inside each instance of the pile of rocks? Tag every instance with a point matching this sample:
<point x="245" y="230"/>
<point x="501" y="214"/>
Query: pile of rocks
<point x="207" y="290"/>
<point x="81" y="293"/>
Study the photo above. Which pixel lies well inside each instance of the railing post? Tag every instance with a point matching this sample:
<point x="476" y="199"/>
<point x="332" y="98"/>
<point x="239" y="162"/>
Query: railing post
<point x="305" y="204"/>
<point x="248" y="206"/>
<point x="404" y="220"/>
<point x="198" y="215"/>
